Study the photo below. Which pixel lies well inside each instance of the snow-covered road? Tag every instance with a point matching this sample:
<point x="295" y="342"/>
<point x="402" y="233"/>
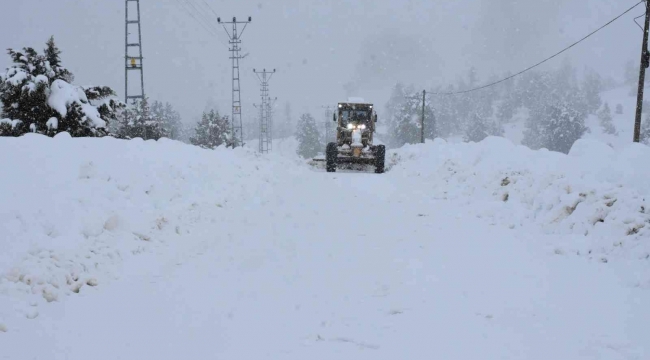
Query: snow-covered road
<point x="346" y="266"/>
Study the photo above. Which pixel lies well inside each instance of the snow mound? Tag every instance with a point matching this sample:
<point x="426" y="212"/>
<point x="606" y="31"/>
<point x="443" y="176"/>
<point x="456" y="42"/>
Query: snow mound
<point x="597" y="196"/>
<point x="285" y="147"/>
<point x="74" y="209"/>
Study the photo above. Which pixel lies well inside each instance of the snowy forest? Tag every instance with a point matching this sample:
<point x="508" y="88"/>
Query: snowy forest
<point x="38" y="95"/>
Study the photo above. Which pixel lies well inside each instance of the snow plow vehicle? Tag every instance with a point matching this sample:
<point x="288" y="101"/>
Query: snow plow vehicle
<point x="354" y="138"/>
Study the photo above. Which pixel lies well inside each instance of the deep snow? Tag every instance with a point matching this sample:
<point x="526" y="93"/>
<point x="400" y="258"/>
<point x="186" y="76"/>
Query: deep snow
<point x="132" y="249"/>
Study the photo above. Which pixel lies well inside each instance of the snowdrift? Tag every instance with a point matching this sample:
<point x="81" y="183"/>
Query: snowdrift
<point x="73" y="210"/>
<point x="595" y="195"/>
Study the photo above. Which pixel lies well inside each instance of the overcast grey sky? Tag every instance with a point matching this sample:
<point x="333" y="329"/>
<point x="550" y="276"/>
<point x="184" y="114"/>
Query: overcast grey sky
<point x="320" y="48"/>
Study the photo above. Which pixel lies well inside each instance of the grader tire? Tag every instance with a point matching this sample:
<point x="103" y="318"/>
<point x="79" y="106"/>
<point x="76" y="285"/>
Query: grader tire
<point x="331" y="156"/>
<point x="380" y="159"/>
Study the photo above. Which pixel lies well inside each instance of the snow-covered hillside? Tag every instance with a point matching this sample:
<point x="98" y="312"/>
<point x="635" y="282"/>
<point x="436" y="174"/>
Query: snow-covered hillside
<point x="132" y="249"/>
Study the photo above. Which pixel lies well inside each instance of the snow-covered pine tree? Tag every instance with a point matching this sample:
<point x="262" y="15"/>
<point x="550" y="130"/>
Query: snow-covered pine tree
<point x="481" y="123"/>
<point x="403" y="118"/>
<point x="506" y="108"/>
<point x="605" y="118"/>
<point x="172" y="123"/>
<point x="166" y="122"/>
<point x="39" y="95"/>
<point x="477" y="129"/>
<point x="446" y="113"/>
<point x="159" y="124"/>
<point x="559" y="125"/>
<point x="11" y="127"/>
<point x="212" y="131"/>
<point x="141" y="121"/>
<point x="157" y="117"/>
<point x="592" y="85"/>
<point x="52" y="55"/>
<point x="534" y="133"/>
<point x="557" y="110"/>
<point x="24" y="89"/>
<point x="308" y="137"/>
<point x="110" y="108"/>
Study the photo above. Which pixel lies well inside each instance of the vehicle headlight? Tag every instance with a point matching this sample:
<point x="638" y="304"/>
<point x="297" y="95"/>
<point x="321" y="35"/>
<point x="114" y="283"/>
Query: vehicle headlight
<point x="350" y="126"/>
<point x="363" y="126"/>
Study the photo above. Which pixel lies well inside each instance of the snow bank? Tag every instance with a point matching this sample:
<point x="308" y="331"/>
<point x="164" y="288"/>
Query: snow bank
<point x="285" y="147"/>
<point x="596" y="196"/>
<point x="72" y="210"/>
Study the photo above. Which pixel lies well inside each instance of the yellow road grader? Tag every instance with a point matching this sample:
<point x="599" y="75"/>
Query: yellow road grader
<point x="355" y="130"/>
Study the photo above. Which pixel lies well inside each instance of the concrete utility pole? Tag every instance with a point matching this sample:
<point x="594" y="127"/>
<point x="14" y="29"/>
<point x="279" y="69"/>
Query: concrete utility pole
<point x="645" y="61"/>
<point x="235" y="42"/>
<point x="424" y="94"/>
<point x="133" y="59"/>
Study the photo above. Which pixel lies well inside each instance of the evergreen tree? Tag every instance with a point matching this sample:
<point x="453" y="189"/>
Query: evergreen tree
<point x="477" y="129"/>
<point x="481" y="127"/>
<point x="509" y="102"/>
<point x="403" y="118"/>
<point x="24" y="89"/>
<point x="591" y="87"/>
<point x="173" y="127"/>
<point x="55" y="68"/>
<point x="555" y="126"/>
<point x="446" y="114"/>
<point x="107" y="104"/>
<point x="11" y="127"/>
<point x="619" y="109"/>
<point x="605" y="118"/>
<point x="566" y="125"/>
<point x="309" y="144"/>
<point x="137" y="121"/>
<point x="36" y="90"/>
<point x="165" y="121"/>
<point x="212" y="131"/>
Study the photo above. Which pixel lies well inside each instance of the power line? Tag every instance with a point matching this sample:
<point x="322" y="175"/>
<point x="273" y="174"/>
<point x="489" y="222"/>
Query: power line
<point x="210" y="7"/>
<point x="202" y="14"/>
<point x="541" y="62"/>
<point x="188" y="8"/>
<point x="188" y="11"/>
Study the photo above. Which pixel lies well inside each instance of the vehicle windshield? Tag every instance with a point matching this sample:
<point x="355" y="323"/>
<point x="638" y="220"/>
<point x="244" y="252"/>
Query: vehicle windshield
<point x="355" y="117"/>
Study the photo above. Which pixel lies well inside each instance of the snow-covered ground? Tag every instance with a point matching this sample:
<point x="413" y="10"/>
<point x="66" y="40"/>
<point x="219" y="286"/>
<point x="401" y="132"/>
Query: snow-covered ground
<point x="128" y="250"/>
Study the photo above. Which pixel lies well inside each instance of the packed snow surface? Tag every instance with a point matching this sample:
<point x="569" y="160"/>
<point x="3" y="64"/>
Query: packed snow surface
<point x="160" y="250"/>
